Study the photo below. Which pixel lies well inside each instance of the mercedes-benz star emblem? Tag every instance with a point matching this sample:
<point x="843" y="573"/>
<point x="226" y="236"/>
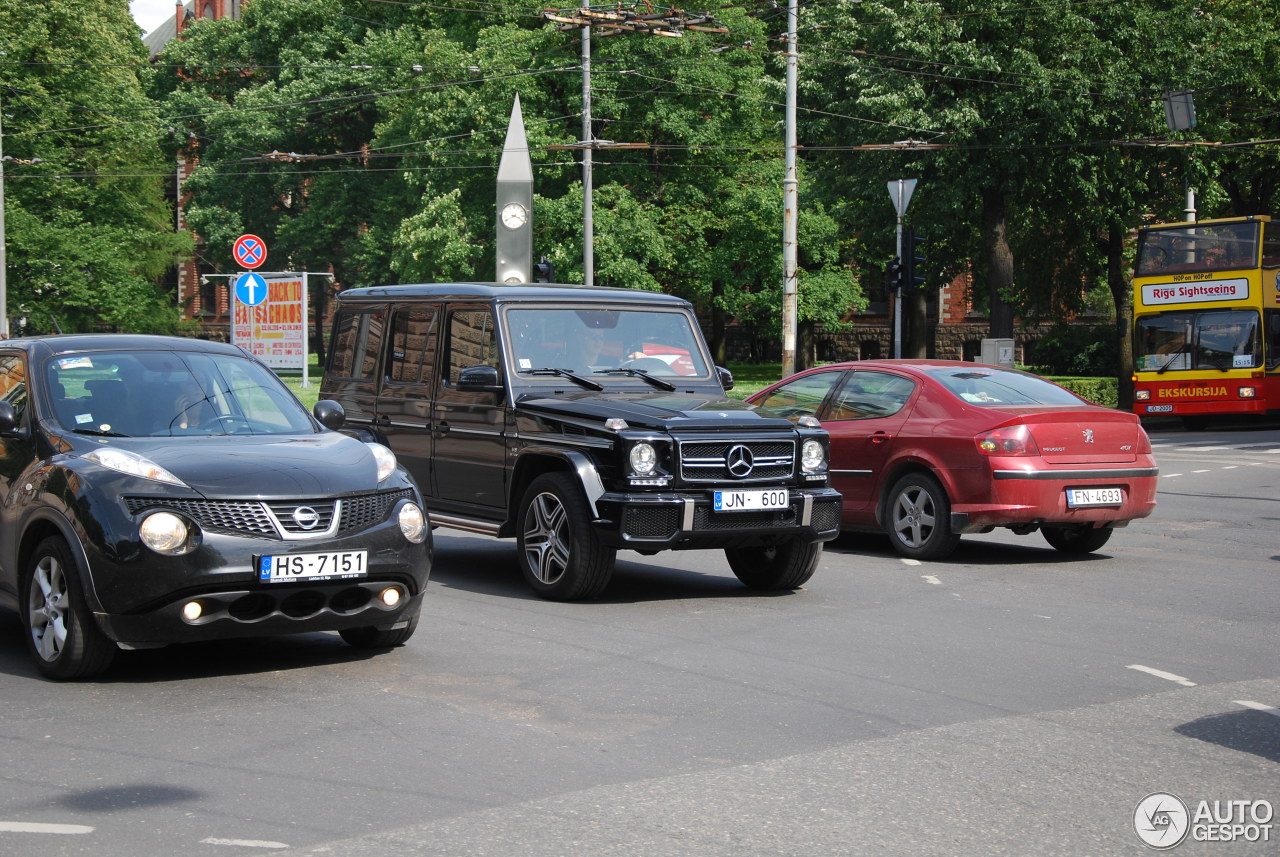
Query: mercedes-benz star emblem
<point x="306" y="517"/>
<point x="739" y="461"/>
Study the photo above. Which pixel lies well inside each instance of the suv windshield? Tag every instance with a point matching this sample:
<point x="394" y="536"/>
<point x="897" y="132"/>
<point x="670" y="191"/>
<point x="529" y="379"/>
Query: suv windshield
<point x="167" y="393"/>
<point x="594" y="341"/>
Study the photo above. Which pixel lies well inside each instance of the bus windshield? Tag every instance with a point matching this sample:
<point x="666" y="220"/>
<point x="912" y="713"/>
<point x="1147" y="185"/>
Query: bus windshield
<point x="1198" y="248"/>
<point x="1206" y="339"/>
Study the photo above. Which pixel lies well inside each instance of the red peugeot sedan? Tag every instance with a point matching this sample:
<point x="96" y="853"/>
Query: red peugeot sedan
<point x="928" y="450"/>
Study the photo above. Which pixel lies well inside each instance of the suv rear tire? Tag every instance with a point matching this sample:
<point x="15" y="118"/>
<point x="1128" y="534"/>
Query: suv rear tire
<point x="786" y="565"/>
<point x="560" y="553"/>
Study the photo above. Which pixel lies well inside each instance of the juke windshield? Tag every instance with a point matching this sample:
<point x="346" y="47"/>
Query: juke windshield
<point x="169" y="393"/>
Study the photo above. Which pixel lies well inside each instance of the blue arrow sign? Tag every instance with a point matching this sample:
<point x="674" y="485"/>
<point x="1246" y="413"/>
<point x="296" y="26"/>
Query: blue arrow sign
<point x="251" y="289"/>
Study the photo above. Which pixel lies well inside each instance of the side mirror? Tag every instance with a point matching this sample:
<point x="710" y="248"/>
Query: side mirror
<point x="726" y="377"/>
<point x="8" y="418"/>
<point x="480" y="379"/>
<point x="329" y="413"/>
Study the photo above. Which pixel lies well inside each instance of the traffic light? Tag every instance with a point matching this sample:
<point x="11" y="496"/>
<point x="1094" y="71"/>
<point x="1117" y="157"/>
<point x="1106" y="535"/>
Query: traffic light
<point x="893" y="274"/>
<point x="543" y="272"/>
<point x="913" y="263"/>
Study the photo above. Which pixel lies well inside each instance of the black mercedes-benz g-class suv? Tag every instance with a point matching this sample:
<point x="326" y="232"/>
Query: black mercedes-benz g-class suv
<point x="580" y="421"/>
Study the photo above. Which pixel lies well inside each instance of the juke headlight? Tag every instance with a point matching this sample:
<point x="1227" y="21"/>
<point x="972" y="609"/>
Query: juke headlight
<point x="166" y="533"/>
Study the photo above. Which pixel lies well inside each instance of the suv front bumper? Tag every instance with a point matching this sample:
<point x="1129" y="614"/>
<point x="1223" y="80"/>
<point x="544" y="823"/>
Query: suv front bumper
<point x="687" y="520"/>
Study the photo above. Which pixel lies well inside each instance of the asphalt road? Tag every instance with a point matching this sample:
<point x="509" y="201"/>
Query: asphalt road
<point x="1006" y="701"/>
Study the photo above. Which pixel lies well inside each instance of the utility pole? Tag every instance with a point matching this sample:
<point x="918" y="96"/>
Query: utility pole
<point x="588" y="206"/>
<point x="611" y="20"/>
<point x="4" y="286"/>
<point x="790" y="204"/>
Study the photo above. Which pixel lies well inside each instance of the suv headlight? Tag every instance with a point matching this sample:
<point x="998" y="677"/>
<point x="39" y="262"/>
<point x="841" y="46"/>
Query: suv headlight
<point x="644" y="458"/>
<point x="813" y="457"/>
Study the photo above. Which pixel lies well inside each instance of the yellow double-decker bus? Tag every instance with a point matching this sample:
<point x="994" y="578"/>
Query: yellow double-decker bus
<point x="1206" y="308"/>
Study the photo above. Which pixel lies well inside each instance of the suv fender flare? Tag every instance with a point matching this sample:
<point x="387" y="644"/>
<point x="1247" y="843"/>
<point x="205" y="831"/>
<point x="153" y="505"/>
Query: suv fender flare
<point x="581" y="465"/>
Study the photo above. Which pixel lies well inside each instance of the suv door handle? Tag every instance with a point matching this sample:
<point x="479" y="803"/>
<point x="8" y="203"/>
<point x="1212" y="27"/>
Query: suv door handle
<point x="382" y="420"/>
<point x="440" y="429"/>
<point x="880" y="437"/>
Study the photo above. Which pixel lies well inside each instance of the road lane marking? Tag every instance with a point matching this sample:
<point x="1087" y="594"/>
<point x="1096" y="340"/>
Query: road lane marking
<point x="910" y="561"/>
<point x="35" y="827"/>
<point x="929" y="578"/>
<point x="1176" y="679"/>
<point x="1259" y="706"/>
<point x="244" y="843"/>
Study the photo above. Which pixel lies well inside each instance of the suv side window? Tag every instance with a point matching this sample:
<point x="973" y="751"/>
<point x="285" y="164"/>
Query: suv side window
<point x="412" y="345"/>
<point x="472" y="342"/>
<point x="354" y="351"/>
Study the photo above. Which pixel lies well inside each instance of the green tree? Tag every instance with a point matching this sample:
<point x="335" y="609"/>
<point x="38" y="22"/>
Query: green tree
<point x="399" y="115"/>
<point x="88" y="230"/>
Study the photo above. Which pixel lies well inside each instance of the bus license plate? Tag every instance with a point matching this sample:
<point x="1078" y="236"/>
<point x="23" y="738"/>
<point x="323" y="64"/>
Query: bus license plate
<point x="336" y="565"/>
<point x="1159" y="409"/>
<point x="751" y="501"/>
<point x="1077" y="497"/>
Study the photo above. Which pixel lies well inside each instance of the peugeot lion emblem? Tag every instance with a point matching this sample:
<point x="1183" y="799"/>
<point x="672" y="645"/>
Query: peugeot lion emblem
<point x="739" y="461"/>
<point x="1088" y="435"/>
<point x="306" y="517"/>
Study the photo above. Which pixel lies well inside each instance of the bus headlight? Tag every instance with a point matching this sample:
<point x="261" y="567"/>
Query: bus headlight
<point x="1142" y="395"/>
<point x="1248" y="392"/>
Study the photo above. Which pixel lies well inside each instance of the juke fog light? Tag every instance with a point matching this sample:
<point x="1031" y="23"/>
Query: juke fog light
<point x="192" y="610"/>
<point x="166" y="533"/>
<point x="413" y="523"/>
<point x="390" y="596"/>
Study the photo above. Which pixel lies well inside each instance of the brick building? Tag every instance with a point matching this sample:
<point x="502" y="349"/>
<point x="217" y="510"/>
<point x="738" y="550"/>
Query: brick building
<point x="202" y="298"/>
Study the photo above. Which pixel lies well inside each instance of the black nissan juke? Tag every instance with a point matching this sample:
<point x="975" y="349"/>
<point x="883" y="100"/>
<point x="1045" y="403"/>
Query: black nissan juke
<point x="158" y="490"/>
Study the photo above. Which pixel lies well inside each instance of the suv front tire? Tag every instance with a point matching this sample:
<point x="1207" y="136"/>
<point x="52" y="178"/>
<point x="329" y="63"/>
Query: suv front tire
<point x="560" y="553"/>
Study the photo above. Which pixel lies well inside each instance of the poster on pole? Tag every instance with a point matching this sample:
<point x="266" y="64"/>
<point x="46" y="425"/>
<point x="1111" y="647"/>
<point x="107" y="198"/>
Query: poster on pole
<point x="274" y="330"/>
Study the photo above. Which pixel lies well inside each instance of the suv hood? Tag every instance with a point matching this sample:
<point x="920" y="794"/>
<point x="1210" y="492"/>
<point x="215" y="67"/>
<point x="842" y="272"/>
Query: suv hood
<point x="261" y="466"/>
<point x="657" y="410"/>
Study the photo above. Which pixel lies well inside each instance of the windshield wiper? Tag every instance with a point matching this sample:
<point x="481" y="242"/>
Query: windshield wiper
<point x="564" y="373"/>
<point x="1169" y="362"/>
<point x="639" y="373"/>
<point x="97" y="433"/>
